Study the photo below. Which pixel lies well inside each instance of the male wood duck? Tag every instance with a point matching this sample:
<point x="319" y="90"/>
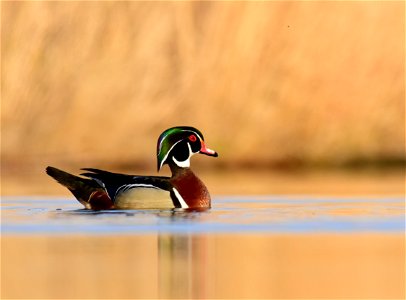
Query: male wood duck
<point x="100" y="189"/>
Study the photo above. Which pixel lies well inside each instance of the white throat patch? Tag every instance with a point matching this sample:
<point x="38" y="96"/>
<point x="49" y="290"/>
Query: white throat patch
<point x="184" y="163"/>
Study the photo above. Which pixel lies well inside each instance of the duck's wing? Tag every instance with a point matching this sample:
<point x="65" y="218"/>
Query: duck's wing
<point x="87" y="191"/>
<point x="134" y="191"/>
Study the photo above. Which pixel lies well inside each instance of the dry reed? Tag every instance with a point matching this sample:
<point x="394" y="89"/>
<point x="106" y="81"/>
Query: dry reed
<point x="267" y="82"/>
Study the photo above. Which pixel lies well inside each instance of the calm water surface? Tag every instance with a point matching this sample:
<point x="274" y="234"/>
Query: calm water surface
<point x="228" y="215"/>
<point x="244" y="247"/>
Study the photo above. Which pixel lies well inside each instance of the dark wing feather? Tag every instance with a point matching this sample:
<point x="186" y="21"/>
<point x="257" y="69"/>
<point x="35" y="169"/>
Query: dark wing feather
<point x="88" y="192"/>
<point x="114" y="181"/>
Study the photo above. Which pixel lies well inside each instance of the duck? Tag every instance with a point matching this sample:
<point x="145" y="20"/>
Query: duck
<point x="97" y="189"/>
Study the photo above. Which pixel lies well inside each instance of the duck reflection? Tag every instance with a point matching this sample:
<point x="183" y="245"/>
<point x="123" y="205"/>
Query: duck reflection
<point x="172" y="262"/>
<point x="160" y="265"/>
<point x="182" y="266"/>
<point x="182" y="260"/>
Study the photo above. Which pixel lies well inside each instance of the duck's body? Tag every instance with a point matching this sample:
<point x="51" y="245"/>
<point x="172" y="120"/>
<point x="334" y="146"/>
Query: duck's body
<point x="100" y="189"/>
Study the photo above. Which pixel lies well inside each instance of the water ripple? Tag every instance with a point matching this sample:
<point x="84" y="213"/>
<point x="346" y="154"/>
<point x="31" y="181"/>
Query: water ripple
<point x="273" y="214"/>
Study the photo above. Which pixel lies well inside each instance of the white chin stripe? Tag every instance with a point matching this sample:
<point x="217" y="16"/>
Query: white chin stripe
<point x="185" y="163"/>
<point x="182" y="164"/>
<point x="180" y="199"/>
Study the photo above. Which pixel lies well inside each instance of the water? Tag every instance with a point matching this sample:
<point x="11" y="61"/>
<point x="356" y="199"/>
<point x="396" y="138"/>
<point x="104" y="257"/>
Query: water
<point x="272" y="214"/>
<point x="244" y="247"/>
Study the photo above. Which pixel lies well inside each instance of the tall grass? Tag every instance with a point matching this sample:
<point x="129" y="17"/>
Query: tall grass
<point x="266" y="82"/>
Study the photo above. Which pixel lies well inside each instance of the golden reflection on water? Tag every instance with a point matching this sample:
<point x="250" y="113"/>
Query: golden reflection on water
<point x="204" y="266"/>
<point x="352" y="264"/>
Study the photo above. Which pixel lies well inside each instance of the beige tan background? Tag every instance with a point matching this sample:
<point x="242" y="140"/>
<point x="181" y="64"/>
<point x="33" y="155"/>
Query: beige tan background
<point x="268" y="83"/>
<point x="274" y="86"/>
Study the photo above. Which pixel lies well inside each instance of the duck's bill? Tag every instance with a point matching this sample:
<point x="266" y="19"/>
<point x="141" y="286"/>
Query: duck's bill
<point x="207" y="151"/>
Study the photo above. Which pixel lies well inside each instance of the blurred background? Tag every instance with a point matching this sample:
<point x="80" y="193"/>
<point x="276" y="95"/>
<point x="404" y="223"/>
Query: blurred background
<point x="279" y="89"/>
<point x="303" y="100"/>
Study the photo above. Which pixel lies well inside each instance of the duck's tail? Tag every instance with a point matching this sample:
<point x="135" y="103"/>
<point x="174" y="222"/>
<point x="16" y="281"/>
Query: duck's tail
<point x="87" y="191"/>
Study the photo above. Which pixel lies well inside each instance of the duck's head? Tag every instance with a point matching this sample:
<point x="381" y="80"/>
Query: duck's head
<point x="176" y="145"/>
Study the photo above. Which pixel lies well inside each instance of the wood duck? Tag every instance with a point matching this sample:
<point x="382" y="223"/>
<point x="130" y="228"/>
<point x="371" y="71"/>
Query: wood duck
<point x="99" y="189"/>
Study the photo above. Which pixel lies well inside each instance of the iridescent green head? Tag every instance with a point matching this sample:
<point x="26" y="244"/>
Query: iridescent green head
<point x="177" y="144"/>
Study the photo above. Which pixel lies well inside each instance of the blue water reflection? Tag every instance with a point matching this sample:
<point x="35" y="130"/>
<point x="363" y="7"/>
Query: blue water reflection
<point x="34" y="215"/>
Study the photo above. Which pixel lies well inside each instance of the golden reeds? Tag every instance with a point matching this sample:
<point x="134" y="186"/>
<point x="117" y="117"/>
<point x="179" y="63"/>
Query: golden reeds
<point x="267" y="82"/>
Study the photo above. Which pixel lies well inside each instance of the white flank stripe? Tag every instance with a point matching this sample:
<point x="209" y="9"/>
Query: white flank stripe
<point x="127" y="187"/>
<point x="180" y="199"/>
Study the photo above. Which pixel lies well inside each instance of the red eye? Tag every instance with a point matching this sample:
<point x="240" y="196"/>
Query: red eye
<point x="192" y="138"/>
